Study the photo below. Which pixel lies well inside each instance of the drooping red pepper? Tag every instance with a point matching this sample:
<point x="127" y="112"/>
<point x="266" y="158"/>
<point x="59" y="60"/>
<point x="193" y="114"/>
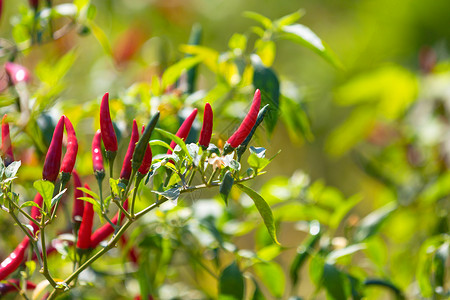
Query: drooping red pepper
<point x="183" y="132"/>
<point x="53" y="157"/>
<point x="13" y="261"/>
<point x="106" y="230"/>
<point x="78" y="204"/>
<point x="126" y="167"/>
<point x="97" y="159"/>
<point x="35" y="212"/>
<point x="70" y="156"/>
<point x="246" y="126"/>
<point x="85" y="232"/>
<point x="108" y="134"/>
<point x="147" y="161"/>
<point x="206" y="132"/>
<point x="6" y="142"/>
<point x="17" y="73"/>
<point x="13" y="285"/>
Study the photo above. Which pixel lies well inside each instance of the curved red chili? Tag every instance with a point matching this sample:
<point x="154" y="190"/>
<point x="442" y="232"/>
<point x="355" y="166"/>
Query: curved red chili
<point x="6" y="142"/>
<point x="97" y="159"/>
<point x="106" y="230"/>
<point x="108" y="134"/>
<point x="35" y="212"/>
<point x="126" y="167"/>
<point x="206" y="132"/>
<point x="78" y="205"/>
<point x="70" y="156"/>
<point x="17" y="73"/>
<point x="247" y="124"/>
<point x="183" y="132"/>
<point x="13" y="261"/>
<point x="53" y="157"/>
<point x="13" y="285"/>
<point x="147" y="161"/>
<point x="85" y="232"/>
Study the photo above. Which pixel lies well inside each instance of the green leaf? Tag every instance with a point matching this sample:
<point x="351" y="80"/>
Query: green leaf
<point x="30" y="203"/>
<point x="272" y="275"/>
<point x="266" y="22"/>
<point x="302" y="35"/>
<point x="231" y="283"/>
<point x="334" y="255"/>
<point x="257" y="294"/>
<point x="303" y="253"/>
<point x="267" y="82"/>
<point x="174" y="72"/>
<point x="12" y="169"/>
<point x="335" y="282"/>
<point x="31" y="266"/>
<point x="289" y="19"/>
<point x="113" y="183"/>
<point x="45" y="188"/>
<point x="177" y="140"/>
<point x="316" y="267"/>
<point x="225" y="186"/>
<point x="294" y="116"/>
<point x="439" y="264"/>
<point x="101" y="37"/>
<point x="238" y="41"/>
<point x="342" y="210"/>
<point x="57" y="197"/>
<point x="160" y="143"/>
<point x="89" y="192"/>
<point x="96" y="206"/>
<point x="194" y="39"/>
<point x="2" y="168"/>
<point x="171" y="194"/>
<point x="372" y="222"/>
<point x="264" y="210"/>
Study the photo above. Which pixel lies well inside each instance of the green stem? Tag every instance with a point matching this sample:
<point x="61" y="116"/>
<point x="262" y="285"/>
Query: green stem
<point x="44" y="269"/>
<point x="136" y="186"/>
<point x="16" y="206"/>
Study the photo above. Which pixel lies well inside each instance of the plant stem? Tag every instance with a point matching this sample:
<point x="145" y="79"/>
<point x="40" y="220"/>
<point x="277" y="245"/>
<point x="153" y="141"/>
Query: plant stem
<point x="20" y="209"/>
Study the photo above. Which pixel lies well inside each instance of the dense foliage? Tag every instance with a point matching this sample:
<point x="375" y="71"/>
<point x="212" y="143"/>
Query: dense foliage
<point x="332" y="183"/>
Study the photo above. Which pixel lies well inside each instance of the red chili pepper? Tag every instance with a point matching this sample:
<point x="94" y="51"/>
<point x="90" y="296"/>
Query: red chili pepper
<point x="206" y="132"/>
<point x="183" y="132"/>
<point x="147" y="161"/>
<point x="34" y="4"/>
<point x="35" y="212"/>
<point x="6" y="142"/>
<point x="84" y="234"/>
<point x="53" y="158"/>
<point x="246" y="126"/>
<point x="78" y="205"/>
<point x="97" y="159"/>
<point x="106" y="230"/>
<point x="13" y="285"/>
<point x="17" y="73"/>
<point x="108" y="134"/>
<point x="126" y="167"/>
<point x="13" y="261"/>
<point x="70" y="157"/>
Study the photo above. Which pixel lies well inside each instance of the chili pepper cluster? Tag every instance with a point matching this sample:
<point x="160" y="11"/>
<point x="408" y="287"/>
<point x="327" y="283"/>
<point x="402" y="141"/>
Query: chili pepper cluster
<point x="136" y="165"/>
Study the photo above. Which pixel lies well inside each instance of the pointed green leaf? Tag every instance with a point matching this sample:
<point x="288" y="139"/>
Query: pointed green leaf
<point x="335" y="282"/>
<point x="231" y="283"/>
<point x="30" y="203"/>
<point x="89" y="192"/>
<point x="372" y="222"/>
<point x="177" y="140"/>
<point x="12" y="169"/>
<point x="302" y="35"/>
<point x="174" y="72"/>
<point x="266" y="22"/>
<point x="226" y="185"/>
<point x="267" y="82"/>
<point x="272" y="275"/>
<point x="264" y="210"/>
<point x="290" y="18"/>
<point x="57" y="197"/>
<point x="303" y="253"/>
<point x="45" y="188"/>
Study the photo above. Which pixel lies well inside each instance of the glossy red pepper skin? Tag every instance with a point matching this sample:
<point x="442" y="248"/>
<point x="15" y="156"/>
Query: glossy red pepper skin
<point x="184" y="129"/>
<point x="97" y="158"/>
<point x="70" y="156"/>
<point x="17" y="73"/>
<point x="106" y="230"/>
<point x="13" y="261"/>
<point x="35" y="212"/>
<point x="13" y="285"/>
<point x="108" y="134"/>
<point x="85" y="232"/>
<point x="126" y="167"/>
<point x="247" y="124"/>
<point x="207" y="127"/>
<point x="147" y="161"/>
<point x="78" y="205"/>
<point x="53" y="157"/>
<point x="6" y="142"/>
